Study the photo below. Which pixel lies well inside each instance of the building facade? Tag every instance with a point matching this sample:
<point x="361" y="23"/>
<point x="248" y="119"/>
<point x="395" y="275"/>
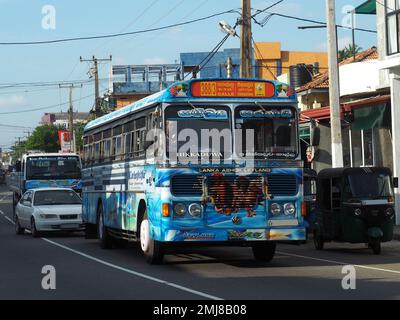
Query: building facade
<point x="62" y="119"/>
<point x="273" y="62"/>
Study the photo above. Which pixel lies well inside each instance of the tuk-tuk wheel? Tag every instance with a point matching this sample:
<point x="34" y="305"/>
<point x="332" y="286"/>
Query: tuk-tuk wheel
<point x="375" y="245"/>
<point x="318" y="241"/>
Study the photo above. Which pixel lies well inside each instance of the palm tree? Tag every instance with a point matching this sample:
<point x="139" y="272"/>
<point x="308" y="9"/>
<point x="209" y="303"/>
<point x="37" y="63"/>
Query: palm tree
<point x="349" y="51"/>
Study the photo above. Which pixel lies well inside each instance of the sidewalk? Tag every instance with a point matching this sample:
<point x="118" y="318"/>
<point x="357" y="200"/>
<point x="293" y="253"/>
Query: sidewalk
<point x="396" y="233"/>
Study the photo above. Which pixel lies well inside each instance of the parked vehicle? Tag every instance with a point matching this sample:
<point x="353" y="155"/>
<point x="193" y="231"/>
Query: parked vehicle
<point x="50" y="209"/>
<point x="310" y="197"/>
<point x="40" y="170"/>
<point x="354" y="205"/>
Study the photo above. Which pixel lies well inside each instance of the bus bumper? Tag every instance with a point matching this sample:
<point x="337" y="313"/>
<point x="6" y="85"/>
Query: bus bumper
<point x="243" y="235"/>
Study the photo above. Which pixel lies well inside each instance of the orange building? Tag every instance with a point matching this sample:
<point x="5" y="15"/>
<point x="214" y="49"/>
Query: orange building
<point x="272" y="62"/>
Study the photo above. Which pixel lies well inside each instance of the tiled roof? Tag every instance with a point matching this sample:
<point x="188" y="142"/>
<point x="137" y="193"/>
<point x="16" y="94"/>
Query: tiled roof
<point x="321" y="80"/>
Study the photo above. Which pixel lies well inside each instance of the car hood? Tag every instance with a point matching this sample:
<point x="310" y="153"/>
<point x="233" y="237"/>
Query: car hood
<point x="61" y="209"/>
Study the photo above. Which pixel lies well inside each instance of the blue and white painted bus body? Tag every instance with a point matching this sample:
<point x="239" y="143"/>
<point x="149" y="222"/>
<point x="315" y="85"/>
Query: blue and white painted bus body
<point x="236" y="207"/>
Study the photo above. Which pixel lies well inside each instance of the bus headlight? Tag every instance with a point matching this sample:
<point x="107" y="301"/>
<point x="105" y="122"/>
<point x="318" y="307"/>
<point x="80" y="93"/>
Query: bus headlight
<point x="289" y="209"/>
<point x="180" y="209"/>
<point x="195" y="210"/>
<point x="276" y="209"/>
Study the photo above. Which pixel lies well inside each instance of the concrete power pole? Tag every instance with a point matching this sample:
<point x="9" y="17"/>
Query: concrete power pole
<point x="334" y="87"/>
<point x="246" y="51"/>
<point x="71" y="116"/>
<point x="95" y="62"/>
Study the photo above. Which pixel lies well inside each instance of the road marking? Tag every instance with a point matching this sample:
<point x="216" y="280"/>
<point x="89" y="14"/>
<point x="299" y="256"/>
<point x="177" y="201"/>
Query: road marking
<point x="138" y="274"/>
<point x="337" y="262"/>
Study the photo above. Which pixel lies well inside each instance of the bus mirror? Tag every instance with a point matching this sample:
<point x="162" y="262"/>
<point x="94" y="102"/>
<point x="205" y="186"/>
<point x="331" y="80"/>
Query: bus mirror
<point x="315" y="134"/>
<point x="18" y="166"/>
<point x="395" y="182"/>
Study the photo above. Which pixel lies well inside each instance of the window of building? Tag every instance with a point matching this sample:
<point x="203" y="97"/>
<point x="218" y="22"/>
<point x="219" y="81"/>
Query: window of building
<point x="393" y="26"/>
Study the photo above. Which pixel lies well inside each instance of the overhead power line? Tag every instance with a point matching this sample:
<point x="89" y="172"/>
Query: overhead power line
<point x="117" y="34"/>
<point x="47" y="107"/>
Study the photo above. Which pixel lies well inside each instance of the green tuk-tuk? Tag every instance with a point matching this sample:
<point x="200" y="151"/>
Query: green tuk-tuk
<point x="354" y="205"/>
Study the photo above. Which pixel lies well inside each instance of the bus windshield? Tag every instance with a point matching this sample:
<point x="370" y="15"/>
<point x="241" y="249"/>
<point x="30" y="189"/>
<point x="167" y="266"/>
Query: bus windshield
<point x="275" y="131"/>
<point x="369" y="186"/>
<point x="57" y="167"/>
<point x="198" y="132"/>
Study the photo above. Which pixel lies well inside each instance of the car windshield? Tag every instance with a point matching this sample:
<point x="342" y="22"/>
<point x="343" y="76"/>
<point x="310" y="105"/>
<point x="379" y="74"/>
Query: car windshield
<point x="370" y="186"/>
<point x="275" y="131"/>
<point x="56" y="197"/>
<point x="45" y="168"/>
<point x="187" y="127"/>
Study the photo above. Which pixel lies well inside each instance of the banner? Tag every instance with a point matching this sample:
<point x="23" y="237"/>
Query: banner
<point x="65" y="141"/>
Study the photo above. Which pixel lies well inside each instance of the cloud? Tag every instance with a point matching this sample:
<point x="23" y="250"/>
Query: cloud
<point x="155" y="60"/>
<point x="12" y="101"/>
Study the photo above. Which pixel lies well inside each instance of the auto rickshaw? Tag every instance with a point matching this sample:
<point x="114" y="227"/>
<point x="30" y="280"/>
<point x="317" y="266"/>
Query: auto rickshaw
<point x="354" y="205"/>
<point x="310" y="195"/>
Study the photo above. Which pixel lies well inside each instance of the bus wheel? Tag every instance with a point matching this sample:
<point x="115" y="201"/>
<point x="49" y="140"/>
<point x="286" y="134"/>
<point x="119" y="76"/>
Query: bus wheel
<point x="103" y="235"/>
<point x="375" y="245"/>
<point x="152" y="249"/>
<point x="264" y="251"/>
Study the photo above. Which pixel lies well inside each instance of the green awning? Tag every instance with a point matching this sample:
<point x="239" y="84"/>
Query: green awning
<point x="377" y="116"/>
<point x="368" y="7"/>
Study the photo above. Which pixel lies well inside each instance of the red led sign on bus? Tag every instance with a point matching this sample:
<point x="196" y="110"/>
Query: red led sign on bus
<point x="233" y="89"/>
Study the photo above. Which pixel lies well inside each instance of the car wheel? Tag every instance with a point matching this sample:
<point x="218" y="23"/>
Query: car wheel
<point x="18" y="229"/>
<point x="152" y="249"/>
<point x="375" y="245"/>
<point x="318" y="240"/>
<point x="102" y="232"/>
<point x="264" y="252"/>
<point x="35" y="233"/>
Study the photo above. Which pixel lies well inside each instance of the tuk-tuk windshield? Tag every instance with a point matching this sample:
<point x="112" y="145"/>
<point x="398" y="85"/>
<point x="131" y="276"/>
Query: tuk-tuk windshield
<point x="370" y="186"/>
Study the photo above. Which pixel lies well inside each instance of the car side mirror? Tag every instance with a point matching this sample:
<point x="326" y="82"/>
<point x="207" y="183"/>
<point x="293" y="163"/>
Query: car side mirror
<point x="396" y="182"/>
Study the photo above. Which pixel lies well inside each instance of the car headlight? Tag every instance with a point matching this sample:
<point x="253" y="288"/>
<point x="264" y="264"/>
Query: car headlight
<point x="195" y="210"/>
<point x="289" y="209"/>
<point x="276" y="209"/>
<point x="47" y="216"/>
<point x="357" y="212"/>
<point x="180" y="209"/>
<point x="389" y="211"/>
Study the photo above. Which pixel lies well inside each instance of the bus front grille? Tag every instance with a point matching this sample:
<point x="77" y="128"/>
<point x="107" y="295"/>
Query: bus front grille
<point x="282" y="185"/>
<point x="187" y="185"/>
<point x="230" y="193"/>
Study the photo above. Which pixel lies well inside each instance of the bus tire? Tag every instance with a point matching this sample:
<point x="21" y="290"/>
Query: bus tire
<point x="318" y="240"/>
<point x="264" y="251"/>
<point x="152" y="249"/>
<point x="102" y="232"/>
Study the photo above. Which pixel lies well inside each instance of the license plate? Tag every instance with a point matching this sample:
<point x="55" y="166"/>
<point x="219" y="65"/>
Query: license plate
<point x="69" y="226"/>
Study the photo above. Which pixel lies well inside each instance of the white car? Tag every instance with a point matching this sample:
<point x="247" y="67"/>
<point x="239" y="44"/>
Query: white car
<point x="50" y="209"/>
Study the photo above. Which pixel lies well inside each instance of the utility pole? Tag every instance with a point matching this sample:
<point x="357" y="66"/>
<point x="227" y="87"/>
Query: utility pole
<point x="334" y="87"/>
<point x="71" y="116"/>
<point x="246" y="51"/>
<point x="95" y="69"/>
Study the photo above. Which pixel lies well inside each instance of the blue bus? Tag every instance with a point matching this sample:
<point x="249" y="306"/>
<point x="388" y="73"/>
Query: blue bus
<point x="147" y="179"/>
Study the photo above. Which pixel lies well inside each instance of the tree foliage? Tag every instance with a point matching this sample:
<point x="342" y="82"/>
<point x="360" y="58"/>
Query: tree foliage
<point x="349" y="52"/>
<point x="44" y="138"/>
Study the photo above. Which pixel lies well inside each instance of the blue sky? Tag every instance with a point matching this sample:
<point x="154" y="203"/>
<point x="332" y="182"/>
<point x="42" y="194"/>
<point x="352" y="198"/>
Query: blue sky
<point x="21" y="20"/>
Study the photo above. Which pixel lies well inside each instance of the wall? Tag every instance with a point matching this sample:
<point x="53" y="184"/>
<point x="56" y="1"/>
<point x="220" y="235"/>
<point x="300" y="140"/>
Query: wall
<point x="359" y="77"/>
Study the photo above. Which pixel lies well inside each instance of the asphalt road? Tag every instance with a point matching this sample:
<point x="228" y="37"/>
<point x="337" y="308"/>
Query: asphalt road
<point x="85" y="271"/>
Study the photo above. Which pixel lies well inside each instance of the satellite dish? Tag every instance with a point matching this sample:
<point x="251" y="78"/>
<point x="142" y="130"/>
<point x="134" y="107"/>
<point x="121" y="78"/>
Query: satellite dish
<point x="226" y="28"/>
